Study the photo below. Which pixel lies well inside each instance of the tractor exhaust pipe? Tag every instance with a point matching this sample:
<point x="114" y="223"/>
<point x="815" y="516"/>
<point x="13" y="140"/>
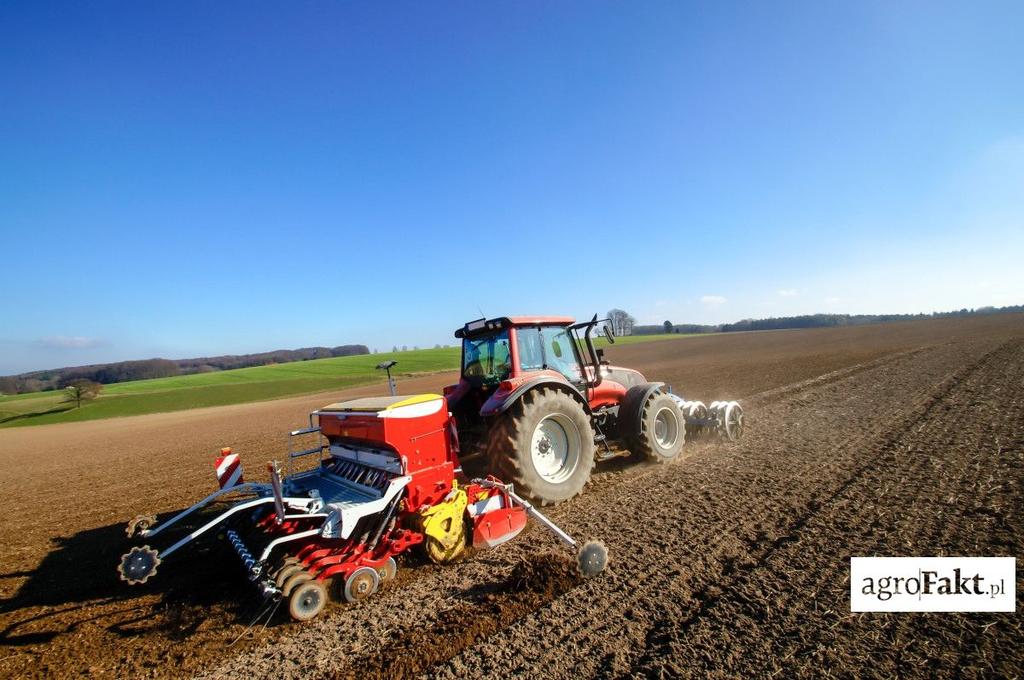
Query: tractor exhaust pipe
<point x="595" y="359"/>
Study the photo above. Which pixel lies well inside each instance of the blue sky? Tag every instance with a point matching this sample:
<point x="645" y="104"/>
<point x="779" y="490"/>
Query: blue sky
<point x="186" y="179"/>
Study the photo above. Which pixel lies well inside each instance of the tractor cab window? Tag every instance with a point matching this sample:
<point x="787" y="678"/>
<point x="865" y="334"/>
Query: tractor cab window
<point x="548" y="347"/>
<point x="486" y="358"/>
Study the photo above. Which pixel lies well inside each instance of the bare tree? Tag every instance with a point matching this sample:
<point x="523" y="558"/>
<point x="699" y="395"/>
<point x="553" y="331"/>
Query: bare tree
<point x="80" y="390"/>
<point x="617" y="318"/>
<point x="622" y="321"/>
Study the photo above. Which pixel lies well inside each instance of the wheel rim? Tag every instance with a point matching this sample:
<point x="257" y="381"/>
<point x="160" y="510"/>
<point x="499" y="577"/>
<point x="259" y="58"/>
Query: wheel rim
<point x="666" y="428"/>
<point x="555" y="449"/>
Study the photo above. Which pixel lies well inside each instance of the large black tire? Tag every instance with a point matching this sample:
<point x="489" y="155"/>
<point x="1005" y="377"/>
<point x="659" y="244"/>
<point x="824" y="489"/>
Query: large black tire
<point x="511" y="444"/>
<point x="655" y="430"/>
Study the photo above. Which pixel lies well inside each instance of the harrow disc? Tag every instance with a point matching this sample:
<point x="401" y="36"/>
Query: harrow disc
<point x="138" y="564"/>
<point x="696" y="410"/>
<point x="733" y="421"/>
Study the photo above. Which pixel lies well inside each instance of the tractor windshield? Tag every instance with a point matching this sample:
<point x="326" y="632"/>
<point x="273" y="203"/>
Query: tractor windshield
<point x="548" y="347"/>
<point x="486" y="358"/>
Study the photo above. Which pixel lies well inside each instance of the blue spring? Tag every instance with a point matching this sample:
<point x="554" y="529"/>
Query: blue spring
<point x="243" y="553"/>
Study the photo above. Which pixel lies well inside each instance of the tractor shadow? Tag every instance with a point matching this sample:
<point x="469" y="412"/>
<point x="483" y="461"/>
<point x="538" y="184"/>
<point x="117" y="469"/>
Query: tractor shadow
<point x="78" y="583"/>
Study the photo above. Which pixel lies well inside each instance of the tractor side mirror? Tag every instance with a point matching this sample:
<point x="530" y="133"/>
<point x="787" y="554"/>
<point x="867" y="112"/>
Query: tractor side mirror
<point x="608" y="334"/>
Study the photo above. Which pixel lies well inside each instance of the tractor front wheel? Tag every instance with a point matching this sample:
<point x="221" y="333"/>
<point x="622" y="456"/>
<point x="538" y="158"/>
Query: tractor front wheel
<point x="544" y="445"/>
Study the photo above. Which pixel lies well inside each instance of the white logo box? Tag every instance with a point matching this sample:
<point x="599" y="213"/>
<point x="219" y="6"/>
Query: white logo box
<point x="933" y="584"/>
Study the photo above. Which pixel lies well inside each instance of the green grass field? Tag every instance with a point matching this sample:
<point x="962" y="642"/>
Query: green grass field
<point x="233" y="387"/>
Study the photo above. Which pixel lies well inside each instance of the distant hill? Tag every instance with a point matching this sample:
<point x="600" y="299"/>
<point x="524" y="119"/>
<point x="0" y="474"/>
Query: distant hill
<point x="124" y="371"/>
<point x="815" y="321"/>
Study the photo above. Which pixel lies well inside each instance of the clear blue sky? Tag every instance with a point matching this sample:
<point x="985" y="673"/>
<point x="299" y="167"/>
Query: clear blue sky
<point x="180" y="179"/>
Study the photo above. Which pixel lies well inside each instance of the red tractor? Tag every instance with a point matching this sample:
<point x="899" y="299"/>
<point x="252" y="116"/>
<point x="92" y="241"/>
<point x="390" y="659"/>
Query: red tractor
<point x="536" y="400"/>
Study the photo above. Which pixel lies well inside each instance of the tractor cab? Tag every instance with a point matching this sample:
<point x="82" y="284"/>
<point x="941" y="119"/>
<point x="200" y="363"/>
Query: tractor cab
<point x="499" y="349"/>
<point x="497" y="352"/>
<point x="505" y="357"/>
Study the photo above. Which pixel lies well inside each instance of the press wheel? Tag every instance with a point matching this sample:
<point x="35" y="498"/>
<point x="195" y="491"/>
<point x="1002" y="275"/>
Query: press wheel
<point x="295" y="579"/>
<point x="307" y="600"/>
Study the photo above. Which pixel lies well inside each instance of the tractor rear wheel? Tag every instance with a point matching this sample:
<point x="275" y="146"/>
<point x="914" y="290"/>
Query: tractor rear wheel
<point x="658" y="431"/>
<point x="544" y="445"/>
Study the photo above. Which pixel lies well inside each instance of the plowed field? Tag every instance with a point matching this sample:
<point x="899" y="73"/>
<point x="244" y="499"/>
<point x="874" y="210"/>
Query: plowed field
<point x="900" y="439"/>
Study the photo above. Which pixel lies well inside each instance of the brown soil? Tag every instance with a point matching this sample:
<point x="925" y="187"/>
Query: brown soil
<point x="485" y="609"/>
<point x="902" y="439"/>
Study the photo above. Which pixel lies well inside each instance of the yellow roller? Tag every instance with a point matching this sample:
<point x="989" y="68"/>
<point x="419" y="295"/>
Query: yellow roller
<point x="444" y="526"/>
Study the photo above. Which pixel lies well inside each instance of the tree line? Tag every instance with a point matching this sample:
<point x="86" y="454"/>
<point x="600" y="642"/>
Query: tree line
<point x="124" y="371"/>
<point x="812" y="321"/>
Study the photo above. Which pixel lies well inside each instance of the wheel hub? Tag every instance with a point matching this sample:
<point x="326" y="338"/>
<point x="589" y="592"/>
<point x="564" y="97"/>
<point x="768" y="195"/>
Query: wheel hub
<point x="666" y="428"/>
<point x="555" y="448"/>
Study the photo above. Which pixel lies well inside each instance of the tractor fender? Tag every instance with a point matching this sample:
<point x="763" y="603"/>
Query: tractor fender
<point x="633" y="403"/>
<point x="503" y="399"/>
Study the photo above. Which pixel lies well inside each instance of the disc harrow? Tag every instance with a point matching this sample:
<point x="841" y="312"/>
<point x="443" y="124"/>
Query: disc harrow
<point x="724" y="418"/>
